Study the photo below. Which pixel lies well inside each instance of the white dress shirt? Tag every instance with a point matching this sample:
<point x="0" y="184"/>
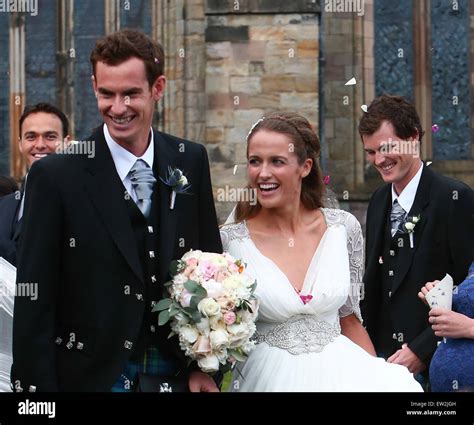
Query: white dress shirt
<point x="407" y="197"/>
<point x="125" y="160"/>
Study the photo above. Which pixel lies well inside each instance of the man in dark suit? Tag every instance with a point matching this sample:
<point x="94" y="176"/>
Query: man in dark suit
<point x="43" y="130"/>
<point x="100" y="232"/>
<point x="438" y="237"/>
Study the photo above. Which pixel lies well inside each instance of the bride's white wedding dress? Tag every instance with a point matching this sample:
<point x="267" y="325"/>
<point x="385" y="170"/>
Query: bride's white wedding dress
<point x="300" y="347"/>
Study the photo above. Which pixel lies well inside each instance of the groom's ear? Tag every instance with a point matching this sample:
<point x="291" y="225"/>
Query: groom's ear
<point x="94" y="85"/>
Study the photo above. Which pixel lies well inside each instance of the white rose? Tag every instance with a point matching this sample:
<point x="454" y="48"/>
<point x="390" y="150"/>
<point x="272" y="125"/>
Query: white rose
<point x="183" y="180"/>
<point x="219" y="261"/>
<point x="192" y="254"/>
<point x="232" y="282"/>
<point x="189" y="334"/>
<point x="219" y="339"/>
<point x="209" y="364"/>
<point x="214" y="289"/>
<point x="203" y="325"/>
<point x="415" y="219"/>
<point x="216" y="322"/>
<point x="209" y="307"/>
<point x="239" y="334"/>
<point x="409" y="226"/>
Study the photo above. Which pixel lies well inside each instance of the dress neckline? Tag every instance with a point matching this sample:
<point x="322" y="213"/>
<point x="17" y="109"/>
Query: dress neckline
<point x="311" y="263"/>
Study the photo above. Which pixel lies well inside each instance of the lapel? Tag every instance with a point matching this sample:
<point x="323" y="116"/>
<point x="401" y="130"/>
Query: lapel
<point x="107" y="193"/>
<point x="165" y="156"/>
<point x="377" y="226"/>
<point x="406" y="253"/>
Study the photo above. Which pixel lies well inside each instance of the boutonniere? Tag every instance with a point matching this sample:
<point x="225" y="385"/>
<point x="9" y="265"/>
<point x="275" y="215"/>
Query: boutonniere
<point x="409" y="227"/>
<point x="178" y="183"/>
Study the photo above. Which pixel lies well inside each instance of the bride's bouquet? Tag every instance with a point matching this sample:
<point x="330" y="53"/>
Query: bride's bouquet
<point x="212" y="309"/>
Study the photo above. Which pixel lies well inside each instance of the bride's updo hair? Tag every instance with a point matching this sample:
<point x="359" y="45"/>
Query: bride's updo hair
<point x="306" y="145"/>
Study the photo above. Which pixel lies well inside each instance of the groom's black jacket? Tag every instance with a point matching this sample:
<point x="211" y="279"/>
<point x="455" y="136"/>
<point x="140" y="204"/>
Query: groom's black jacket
<point x="443" y="243"/>
<point x="78" y="246"/>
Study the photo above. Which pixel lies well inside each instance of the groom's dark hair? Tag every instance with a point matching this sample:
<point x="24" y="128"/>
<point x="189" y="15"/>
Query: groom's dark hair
<point x="120" y="46"/>
<point x="395" y="109"/>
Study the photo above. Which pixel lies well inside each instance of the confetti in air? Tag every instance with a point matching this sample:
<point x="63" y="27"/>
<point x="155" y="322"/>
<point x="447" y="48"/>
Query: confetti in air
<point x="351" y="82"/>
<point x="235" y="168"/>
<point x="435" y="128"/>
<point x="364" y="108"/>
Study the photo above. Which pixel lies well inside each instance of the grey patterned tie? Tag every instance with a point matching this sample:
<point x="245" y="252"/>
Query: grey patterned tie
<point x="143" y="181"/>
<point x="396" y="216"/>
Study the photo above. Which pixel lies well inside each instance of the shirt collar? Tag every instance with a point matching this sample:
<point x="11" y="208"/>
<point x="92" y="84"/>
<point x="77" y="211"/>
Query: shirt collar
<point x="407" y="197"/>
<point x="125" y="160"/>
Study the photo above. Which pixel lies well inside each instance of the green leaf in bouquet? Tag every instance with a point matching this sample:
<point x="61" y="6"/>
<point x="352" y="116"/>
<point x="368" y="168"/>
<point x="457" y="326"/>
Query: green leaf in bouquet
<point x="191" y="286"/>
<point x="162" y="305"/>
<point x="188" y="311"/>
<point x="252" y="288"/>
<point x="196" y="317"/>
<point x="163" y="317"/>
<point x="201" y="292"/>
<point x="237" y="355"/>
<point x="174" y="310"/>
<point x="169" y="283"/>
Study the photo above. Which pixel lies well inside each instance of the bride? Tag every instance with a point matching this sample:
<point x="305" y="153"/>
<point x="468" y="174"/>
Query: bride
<point x="308" y="263"/>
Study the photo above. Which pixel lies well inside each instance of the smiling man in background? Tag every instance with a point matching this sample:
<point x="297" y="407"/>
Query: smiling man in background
<point x="43" y="131"/>
<point x="439" y="213"/>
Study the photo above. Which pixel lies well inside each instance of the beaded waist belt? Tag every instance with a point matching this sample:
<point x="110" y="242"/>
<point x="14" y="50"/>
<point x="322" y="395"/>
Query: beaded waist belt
<point x="300" y="334"/>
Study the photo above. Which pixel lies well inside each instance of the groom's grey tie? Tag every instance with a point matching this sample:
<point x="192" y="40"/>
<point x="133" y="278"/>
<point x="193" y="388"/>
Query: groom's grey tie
<point x="143" y="181"/>
<point x="396" y="216"/>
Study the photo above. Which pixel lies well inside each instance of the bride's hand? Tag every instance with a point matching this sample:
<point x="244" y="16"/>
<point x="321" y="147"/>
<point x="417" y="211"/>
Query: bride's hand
<point x="428" y="286"/>
<point x="200" y="382"/>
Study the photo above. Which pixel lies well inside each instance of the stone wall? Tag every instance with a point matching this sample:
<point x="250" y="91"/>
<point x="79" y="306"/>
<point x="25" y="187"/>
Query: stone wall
<point x="255" y="63"/>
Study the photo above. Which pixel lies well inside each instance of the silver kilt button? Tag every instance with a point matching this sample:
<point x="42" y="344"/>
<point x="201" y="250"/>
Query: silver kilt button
<point x="69" y="345"/>
<point x="80" y="345"/>
<point x="166" y="388"/>
<point x="128" y="345"/>
<point x="32" y="389"/>
<point x="58" y="340"/>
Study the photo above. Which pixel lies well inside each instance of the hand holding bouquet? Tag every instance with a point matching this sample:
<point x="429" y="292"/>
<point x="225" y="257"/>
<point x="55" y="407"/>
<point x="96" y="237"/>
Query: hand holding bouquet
<point x="212" y="309"/>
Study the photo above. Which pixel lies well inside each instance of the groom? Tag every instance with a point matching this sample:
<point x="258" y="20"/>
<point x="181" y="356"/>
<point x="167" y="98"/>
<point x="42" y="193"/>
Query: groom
<point x="100" y="233"/>
<point x="397" y="263"/>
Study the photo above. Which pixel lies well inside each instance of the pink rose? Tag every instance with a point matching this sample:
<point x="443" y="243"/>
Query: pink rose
<point x="208" y="270"/>
<point x="202" y="345"/>
<point x="229" y="318"/>
<point x="192" y="262"/>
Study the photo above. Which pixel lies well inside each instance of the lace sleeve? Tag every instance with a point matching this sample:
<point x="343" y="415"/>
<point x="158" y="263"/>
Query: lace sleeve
<point x="225" y="238"/>
<point x="355" y="248"/>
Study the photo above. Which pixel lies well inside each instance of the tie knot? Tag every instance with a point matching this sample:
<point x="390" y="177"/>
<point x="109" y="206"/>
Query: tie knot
<point x="396" y="216"/>
<point x="143" y="182"/>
